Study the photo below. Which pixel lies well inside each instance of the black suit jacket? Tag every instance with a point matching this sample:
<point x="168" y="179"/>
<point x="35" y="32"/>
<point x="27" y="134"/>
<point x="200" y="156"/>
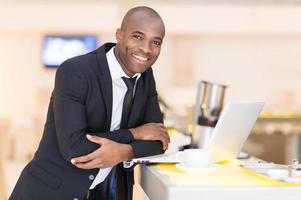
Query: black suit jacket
<point x="81" y="103"/>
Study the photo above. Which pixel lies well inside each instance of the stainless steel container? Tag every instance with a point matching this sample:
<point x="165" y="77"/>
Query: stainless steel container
<point x="208" y="106"/>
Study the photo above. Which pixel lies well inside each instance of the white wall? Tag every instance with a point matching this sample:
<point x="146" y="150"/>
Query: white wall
<point x="254" y="66"/>
<point x="253" y="49"/>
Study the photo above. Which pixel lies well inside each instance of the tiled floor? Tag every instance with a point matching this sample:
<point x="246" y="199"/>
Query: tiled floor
<point x="13" y="170"/>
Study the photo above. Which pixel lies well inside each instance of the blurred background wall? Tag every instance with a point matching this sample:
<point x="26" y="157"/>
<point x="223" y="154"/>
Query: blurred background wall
<point x="252" y="46"/>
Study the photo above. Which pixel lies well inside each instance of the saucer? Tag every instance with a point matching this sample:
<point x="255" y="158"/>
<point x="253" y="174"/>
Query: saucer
<point x="193" y="167"/>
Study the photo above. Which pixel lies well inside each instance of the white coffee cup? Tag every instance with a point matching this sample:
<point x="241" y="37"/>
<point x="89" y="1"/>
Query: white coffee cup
<point x="195" y="157"/>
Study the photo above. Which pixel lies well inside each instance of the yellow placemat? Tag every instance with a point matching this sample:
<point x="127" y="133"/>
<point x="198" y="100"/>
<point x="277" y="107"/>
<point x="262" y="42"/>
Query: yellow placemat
<point x="226" y="175"/>
<point x="290" y="115"/>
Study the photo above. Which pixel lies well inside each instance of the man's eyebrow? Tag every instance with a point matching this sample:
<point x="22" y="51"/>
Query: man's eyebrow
<point x="158" y="38"/>
<point x="141" y="33"/>
<point x="138" y="32"/>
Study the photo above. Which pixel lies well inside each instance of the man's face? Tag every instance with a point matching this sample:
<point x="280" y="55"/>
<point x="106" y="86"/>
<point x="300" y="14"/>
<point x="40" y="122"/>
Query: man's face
<point x="139" y="43"/>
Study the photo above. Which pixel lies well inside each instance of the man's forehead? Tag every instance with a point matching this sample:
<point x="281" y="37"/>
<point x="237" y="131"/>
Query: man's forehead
<point x="146" y="25"/>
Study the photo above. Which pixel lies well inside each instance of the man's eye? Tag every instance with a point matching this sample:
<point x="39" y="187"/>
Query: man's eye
<point x="157" y="43"/>
<point x="138" y="37"/>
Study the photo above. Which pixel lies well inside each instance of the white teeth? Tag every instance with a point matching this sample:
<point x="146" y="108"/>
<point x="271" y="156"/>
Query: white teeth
<point x="140" y="57"/>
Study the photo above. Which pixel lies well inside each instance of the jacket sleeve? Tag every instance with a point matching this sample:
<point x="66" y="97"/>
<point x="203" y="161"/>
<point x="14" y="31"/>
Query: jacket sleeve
<point x="153" y="113"/>
<point x="68" y="99"/>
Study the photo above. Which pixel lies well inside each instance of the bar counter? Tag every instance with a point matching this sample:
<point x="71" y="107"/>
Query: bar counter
<point x="227" y="182"/>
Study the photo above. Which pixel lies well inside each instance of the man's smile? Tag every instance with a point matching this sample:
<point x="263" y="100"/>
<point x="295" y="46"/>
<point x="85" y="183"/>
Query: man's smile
<point x="140" y="58"/>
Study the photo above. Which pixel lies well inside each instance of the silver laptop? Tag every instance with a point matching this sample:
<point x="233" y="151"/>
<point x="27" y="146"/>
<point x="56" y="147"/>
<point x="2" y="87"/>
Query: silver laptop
<point x="233" y="129"/>
<point x="228" y="136"/>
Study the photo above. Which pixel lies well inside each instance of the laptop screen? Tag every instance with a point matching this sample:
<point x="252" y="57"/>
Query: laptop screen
<point x="233" y="129"/>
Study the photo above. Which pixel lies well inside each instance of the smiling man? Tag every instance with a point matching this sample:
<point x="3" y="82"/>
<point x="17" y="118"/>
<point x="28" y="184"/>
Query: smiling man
<point x="103" y="111"/>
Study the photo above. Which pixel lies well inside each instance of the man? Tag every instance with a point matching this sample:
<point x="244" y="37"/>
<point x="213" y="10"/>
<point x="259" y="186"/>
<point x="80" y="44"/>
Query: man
<point x="94" y="123"/>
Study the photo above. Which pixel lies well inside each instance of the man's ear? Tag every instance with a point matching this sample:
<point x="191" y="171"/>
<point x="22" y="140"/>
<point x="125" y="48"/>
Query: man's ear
<point x="118" y="35"/>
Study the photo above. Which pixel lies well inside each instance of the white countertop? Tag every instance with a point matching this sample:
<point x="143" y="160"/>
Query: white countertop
<point x="228" y="182"/>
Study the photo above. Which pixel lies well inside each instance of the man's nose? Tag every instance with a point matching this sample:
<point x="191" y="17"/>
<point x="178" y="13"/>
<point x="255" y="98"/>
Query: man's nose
<point x="145" y="47"/>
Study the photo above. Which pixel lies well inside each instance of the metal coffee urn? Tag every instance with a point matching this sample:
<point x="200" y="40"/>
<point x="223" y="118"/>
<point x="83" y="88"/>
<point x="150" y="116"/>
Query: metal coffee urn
<point x="208" y="106"/>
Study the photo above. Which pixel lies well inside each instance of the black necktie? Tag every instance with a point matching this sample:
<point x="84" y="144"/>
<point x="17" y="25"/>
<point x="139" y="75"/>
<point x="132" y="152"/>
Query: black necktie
<point x="128" y="101"/>
<point x="118" y="184"/>
<point x="123" y="185"/>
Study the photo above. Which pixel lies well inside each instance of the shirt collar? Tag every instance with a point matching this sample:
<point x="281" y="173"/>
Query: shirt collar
<point x="115" y="68"/>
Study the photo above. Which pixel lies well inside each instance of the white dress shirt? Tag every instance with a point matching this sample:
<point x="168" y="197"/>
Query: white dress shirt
<point x="119" y="90"/>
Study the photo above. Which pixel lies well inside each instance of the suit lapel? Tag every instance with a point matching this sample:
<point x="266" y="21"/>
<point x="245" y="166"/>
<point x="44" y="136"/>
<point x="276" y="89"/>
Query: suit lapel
<point x="105" y="80"/>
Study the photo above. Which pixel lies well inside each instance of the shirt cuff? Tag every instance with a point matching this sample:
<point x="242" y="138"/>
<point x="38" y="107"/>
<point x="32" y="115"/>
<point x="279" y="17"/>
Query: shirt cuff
<point x="128" y="164"/>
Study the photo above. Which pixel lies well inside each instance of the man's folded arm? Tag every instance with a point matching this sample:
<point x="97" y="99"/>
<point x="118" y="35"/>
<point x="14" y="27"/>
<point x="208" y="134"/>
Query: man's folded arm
<point x="153" y="113"/>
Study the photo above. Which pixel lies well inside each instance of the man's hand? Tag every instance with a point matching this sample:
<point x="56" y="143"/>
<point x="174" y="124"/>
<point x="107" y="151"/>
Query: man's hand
<point x="108" y="154"/>
<point x="151" y="131"/>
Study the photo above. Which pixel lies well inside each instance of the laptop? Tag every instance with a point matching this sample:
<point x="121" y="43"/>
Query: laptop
<point x="228" y="137"/>
<point x="232" y="129"/>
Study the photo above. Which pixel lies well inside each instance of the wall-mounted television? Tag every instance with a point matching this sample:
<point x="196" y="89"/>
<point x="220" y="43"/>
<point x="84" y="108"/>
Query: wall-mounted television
<point x="58" y="48"/>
